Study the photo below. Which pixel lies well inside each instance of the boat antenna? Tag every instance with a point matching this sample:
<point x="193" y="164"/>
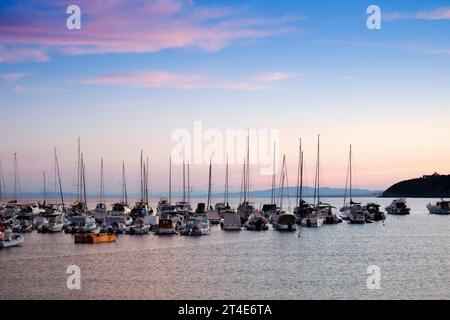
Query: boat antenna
<point x="59" y="178"/>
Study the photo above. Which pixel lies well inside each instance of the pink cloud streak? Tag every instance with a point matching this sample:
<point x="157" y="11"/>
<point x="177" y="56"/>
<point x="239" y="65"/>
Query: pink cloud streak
<point x="128" y="26"/>
<point x="434" y="14"/>
<point x="158" y="79"/>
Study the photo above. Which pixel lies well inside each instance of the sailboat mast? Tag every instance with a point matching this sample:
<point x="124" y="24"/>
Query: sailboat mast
<point x="146" y="181"/>
<point x="242" y="194"/>
<point x="247" y="187"/>
<point x="272" y="199"/>
<point x="209" y="185"/>
<point x="59" y="178"/>
<point x="184" y="181"/>
<point x="44" y="189"/>
<point x="83" y="179"/>
<point x="125" y="194"/>
<point x="188" y="184"/>
<point x="350" y="174"/>
<point x="283" y="168"/>
<point x="102" y="183"/>
<point x="301" y="180"/>
<point x="170" y="180"/>
<point x="298" y="172"/>
<point x="318" y="170"/>
<point x="141" y="178"/>
<point x="79" y="172"/>
<point x="15" y="177"/>
<point x="225" y="199"/>
<point x="1" y="182"/>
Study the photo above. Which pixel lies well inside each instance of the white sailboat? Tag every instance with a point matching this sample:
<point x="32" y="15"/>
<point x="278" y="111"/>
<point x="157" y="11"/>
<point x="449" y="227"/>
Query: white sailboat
<point x="284" y="220"/>
<point x="246" y="208"/>
<point x="230" y="219"/>
<point x="100" y="211"/>
<point x="314" y="217"/>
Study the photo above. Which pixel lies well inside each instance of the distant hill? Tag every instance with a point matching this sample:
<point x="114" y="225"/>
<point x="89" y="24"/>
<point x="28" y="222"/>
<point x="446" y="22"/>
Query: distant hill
<point x="428" y="186"/>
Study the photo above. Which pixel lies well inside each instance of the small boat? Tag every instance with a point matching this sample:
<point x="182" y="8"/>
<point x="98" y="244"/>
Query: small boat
<point x="138" y="227"/>
<point x="55" y="223"/>
<point x="170" y="224"/>
<point x="230" y="220"/>
<point x="100" y="211"/>
<point x="10" y="239"/>
<point x="197" y="225"/>
<point x="328" y="214"/>
<point x="313" y="218"/>
<point x="24" y="221"/>
<point x="94" y="238"/>
<point x="82" y="224"/>
<point x="398" y="207"/>
<point x="284" y="221"/>
<point x="356" y="213"/>
<point x="373" y="213"/>
<point x="256" y="222"/>
<point x="441" y="207"/>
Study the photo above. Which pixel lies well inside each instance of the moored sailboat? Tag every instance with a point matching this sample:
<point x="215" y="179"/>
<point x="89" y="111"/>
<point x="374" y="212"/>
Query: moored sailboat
<point x="284" y="220"/>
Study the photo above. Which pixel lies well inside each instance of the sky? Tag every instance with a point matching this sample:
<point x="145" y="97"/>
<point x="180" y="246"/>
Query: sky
<point x="138" y="72"/>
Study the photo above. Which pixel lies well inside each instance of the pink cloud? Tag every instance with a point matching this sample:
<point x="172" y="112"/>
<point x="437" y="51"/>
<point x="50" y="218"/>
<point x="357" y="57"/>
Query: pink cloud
<point x="158" y="79"/>
<point x="434" y="14"/>
<point x="128" y="26"/>
<point x="272" y="76"/>
<point x="13" y="76"/>
<point x="20" y="54"/>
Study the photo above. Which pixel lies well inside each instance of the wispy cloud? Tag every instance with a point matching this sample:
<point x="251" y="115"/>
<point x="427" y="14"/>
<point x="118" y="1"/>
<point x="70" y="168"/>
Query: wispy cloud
<point x="19" y="88"/>
<point x="273" y="76"/>
<point x="13" y="76"/>
<point x="164" y="79"/>
<point x="129" y="26"/>
<point x="442" y="13"/>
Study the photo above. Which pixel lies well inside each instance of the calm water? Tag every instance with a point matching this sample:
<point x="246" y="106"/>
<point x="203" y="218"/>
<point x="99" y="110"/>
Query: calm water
<point x="325" y="263"/>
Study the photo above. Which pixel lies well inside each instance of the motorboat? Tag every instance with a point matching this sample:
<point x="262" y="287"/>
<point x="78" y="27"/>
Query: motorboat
<point x="398" y="207"/>
<point x="138" y="227"/>
<point x="230" y="220"/>
<point x="256" y="222"/>
<point x="83" y="223"/>
<point x="328" y="214"/>
<point x="168" y="225"/>
<point x="196" y="225"/>
<point x="285" y="222"/>
<point x="441" y="207"/>
<point x="312" y="219"/>
<point x="356" y="214"/>
<point x="100" y="212"/>
<point x="55" y="223"/>
<point x="372" y="212"/>
<point x="10" y="239"/>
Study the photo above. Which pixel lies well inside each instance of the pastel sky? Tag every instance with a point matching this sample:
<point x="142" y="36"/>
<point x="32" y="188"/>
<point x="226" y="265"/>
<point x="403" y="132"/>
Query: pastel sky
<point x="139" y="70"/>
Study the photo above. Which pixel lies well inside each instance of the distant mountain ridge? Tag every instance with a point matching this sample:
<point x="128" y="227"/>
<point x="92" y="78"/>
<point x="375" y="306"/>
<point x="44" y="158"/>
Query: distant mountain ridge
<point x="291" y="191"/>
<point x="428" y="186"/>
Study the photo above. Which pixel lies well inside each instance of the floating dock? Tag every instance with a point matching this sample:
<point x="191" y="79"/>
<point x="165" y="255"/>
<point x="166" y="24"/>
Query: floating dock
<point x="95" y="238"/>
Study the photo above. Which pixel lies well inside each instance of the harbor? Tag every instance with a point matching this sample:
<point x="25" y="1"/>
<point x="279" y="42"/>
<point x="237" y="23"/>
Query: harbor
<point x="329" y="262"/>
